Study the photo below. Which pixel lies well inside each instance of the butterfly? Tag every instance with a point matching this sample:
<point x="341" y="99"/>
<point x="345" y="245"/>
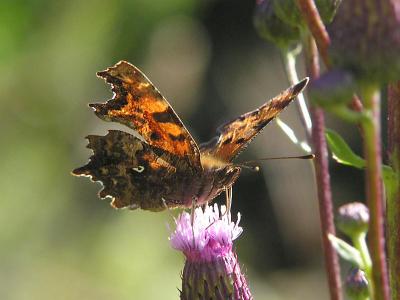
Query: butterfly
<point x="164" y="167"/>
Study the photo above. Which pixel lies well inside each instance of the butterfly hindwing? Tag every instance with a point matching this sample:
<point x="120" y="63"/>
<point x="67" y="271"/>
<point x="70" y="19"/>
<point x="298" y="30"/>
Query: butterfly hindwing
<point x="139" y="105"/>
<point x="132" y="172"/>
<point x="234" y="136"/>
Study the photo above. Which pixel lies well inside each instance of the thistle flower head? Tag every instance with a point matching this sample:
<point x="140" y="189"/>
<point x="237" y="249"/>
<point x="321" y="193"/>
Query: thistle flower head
<point x="210" y="237"/>
<point x="211" y="268"/>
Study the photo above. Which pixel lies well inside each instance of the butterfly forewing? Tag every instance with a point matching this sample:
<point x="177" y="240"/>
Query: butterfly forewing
<point x="235" y="135"/>
<point x="139" y="105"/>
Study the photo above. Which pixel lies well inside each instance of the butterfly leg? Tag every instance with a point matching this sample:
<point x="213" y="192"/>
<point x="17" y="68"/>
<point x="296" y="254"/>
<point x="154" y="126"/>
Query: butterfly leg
<point x="192" y="213"/>
<point x="192" y="209"/>
<point x="228" y="196"/>
<point x="166" y="207"/>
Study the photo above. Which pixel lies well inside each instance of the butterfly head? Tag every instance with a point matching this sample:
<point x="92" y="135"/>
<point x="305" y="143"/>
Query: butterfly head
<point x="224" y="173"/>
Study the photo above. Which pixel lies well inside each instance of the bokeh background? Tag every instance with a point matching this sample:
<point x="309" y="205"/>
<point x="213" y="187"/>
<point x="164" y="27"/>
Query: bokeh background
<point x="57" y="240"/>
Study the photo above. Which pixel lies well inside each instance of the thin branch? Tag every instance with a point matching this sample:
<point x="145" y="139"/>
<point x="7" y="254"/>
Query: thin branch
<point x="323" y="182"/>
<point x="374" y="187"/>
<point x="315" y="24"/>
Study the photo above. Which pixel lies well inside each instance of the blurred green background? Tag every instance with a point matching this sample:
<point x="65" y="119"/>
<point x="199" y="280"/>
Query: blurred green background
<point x="58" y="241"/>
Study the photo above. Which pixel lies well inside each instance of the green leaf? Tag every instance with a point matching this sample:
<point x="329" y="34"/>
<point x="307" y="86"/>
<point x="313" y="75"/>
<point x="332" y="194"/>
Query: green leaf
<point x="342" y="153"/>
<point x="346" y="251"/>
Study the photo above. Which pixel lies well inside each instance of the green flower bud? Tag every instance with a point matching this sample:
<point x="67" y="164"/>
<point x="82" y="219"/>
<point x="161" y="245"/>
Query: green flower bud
<point x="357" y="285"/>
<point x="272" y="28"/>
<point x="353" y="219"/>
<point x="327" y="9"/>
<point x="287" y="11"/>
<point x="333" y="88"/>
<point x="365" y="39"/>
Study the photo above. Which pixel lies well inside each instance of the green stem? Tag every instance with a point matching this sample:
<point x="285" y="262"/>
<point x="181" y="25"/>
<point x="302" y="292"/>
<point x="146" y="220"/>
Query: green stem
<point x="316" y="26"/>
<point x="347" y="114"/>
<point x="289" y="60"/>
<point x="360" y="244"/>
<point x="374" y="189"/>
<point x="393" y="198"/>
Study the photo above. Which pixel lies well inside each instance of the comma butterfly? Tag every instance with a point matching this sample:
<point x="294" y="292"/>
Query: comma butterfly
<point x="166" y="168"/>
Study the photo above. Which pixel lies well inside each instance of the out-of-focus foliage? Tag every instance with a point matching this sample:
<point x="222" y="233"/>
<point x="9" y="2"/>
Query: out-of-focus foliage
<point x="365" y="39"/>
<point x="270" y="26"/>
<point x="58" y="241"/>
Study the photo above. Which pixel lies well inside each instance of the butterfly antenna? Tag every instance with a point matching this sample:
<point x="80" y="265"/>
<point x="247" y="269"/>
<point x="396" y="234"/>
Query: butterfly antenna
<point x="256" y="168"/>
<point x="244" y="166"/>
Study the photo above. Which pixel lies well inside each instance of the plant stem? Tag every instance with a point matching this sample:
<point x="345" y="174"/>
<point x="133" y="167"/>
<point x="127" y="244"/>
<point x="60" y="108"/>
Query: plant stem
<point x="393" y="204"/>
<point x="321" y="166"/>
<point x="289" y="60"/>
<point x="374" y="189"/>
<point x="360" y="244"/>
<point x="315" y="24"/>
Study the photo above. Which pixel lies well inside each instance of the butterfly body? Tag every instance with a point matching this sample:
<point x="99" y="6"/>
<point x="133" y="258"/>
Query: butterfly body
<point x="166" y="168"/>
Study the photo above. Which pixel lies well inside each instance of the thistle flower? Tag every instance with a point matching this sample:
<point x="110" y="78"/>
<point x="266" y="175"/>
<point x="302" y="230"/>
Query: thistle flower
<point x="211" y="268"/>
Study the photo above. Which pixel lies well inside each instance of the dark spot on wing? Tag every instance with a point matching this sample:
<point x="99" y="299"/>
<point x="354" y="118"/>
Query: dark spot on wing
<point x="262" y="124"/>
<point x="227" y="141"/>
<point x="179" y="137"/>
<point x="240" y="141"/>
<point x="155" y="136"/>
<point x="300" y="86"/>
<point x="165" y="116"/>
<point x="254" y="112"/>
<point x="282" y="104"/>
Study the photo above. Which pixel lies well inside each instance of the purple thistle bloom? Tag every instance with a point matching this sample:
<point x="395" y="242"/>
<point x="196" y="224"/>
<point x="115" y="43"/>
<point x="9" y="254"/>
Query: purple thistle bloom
<point x="211" y="268"/>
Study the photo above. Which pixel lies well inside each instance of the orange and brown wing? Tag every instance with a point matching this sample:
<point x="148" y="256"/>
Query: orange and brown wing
<point x="133" y="173"/>
<point x="234" y="136"/>
<point x="139" y="105"/>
